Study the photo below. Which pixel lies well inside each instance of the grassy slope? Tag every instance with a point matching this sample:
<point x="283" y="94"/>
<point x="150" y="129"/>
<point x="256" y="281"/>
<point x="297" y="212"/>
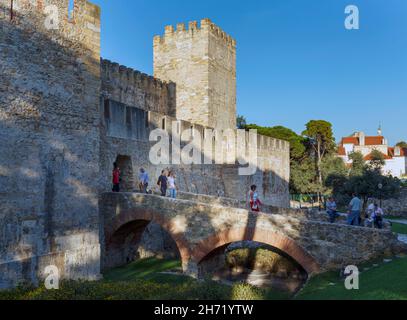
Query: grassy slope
<point x="399" y="228"/>
<point x="144" y="280"/>
<point x="387" y="281"/>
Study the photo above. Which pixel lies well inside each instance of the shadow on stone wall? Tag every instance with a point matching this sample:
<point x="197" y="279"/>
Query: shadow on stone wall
<point x="49" y="151"/>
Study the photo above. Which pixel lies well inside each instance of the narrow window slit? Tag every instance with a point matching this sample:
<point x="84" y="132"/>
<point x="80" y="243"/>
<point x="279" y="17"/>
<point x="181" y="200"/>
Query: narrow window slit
<point x="71" y="9"/>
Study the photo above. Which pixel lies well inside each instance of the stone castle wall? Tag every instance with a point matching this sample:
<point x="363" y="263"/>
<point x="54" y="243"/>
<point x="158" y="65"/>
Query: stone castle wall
<point x="127" y="121"/>
<point x="202" y="62"/>
<point x="49" y="141"/>
<point x="66" y="116"/>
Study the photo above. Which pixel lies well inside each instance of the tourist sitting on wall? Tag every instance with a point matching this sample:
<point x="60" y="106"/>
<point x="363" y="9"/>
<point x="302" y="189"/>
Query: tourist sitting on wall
<point x="143" y="181"/>
<point x="172" y="186"/>
<point x="331" y="209"/>
<point x="370" y="209"/>
<point x="354" y="211"/>
<point x="377" y="216"/>
<point x="163" y="183"/>
<point x="116" y="178"/>
<point x="255" y="202"/>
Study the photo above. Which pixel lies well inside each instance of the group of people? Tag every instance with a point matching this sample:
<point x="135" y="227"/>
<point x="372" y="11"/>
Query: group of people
<point x="166" y="182"/>
<point x="373" y="216"/>
<point x="167" y="185"/>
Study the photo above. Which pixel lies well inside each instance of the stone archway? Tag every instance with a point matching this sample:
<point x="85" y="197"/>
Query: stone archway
<point x="122" y="235"/>
<point x="126" y="168"/>
<point x="213" y="243"/>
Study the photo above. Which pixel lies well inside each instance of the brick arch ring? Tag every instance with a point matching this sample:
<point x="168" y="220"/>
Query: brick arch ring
<point x="221" y="238"/>
<point x="144" y="214"/>
<point x="274" y="239"/>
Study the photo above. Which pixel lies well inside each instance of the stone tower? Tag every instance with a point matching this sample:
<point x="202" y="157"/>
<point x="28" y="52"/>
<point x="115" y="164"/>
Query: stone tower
<point x="201" y="60"/>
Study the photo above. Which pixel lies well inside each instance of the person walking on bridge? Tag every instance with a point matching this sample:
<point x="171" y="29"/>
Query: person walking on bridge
<point x="163" y="183"/>
<point x="116" y="178"/>
<point x="143" y="180"/>
<point x="254" y="199"/>
<point x="172" y="186"/>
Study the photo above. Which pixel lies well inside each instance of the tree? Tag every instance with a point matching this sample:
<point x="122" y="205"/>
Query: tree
<point x="297" y="147"/>
<point x="241" y="122"/>
<point x="320" y="137"/>
<point x="302" y="178"/>
<point x="367" y="185"/>
<point x="358" y="164"/>
<point x="402" y="144"/>
<point x="377" y="160"/>
<point x="333" y="168"/>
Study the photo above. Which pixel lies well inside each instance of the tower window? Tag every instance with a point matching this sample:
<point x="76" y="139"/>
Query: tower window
<point x="107" y="109"/>
<point x="164" y="123"/>
<point x="11" y="9"/>
<point x="71" y="9"/>
<point x="147" y="119"/>
<point x="128" y="116"/>
<point x="178" y="127"/>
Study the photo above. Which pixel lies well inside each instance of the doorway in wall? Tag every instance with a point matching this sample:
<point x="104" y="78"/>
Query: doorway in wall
<point x="126" y="169"/>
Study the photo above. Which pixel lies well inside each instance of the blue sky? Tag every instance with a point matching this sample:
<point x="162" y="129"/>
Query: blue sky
<point x="295" y="59"/>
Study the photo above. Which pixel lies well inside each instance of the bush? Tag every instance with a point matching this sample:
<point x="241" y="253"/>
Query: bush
<point x="259" y="259"/>
<point x="136" y="290"/>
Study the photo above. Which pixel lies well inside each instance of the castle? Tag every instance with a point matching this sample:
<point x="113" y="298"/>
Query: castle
<point x="66" y="116"/>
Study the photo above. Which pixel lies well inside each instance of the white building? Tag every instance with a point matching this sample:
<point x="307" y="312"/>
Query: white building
<point x="395" y="157"/>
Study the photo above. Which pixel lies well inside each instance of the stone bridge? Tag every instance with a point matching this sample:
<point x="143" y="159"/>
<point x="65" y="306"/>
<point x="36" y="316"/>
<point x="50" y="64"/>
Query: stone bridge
<point x="202" y="225"/>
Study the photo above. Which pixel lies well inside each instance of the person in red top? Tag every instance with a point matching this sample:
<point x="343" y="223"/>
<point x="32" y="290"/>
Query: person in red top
<point x="116" y="178"/>
<point x="255" y="202"/>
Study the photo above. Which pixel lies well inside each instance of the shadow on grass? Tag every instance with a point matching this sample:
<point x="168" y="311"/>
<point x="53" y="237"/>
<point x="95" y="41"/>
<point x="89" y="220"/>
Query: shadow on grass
<point x="146" y="269"/>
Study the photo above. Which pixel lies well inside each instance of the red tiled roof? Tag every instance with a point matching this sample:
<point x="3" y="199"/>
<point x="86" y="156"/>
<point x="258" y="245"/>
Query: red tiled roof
<point x="369" y="157"/>
<point x="369" y="141"/>
<point x="341" y="151"/>
<point x="374" y="141"/>
<point x="350" y="140"/>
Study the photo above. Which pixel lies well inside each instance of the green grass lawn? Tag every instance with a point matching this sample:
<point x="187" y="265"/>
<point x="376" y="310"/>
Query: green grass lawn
<point x="387" y="281"/>
<point x="399" y="228"/>
<point x="144" y="280"/>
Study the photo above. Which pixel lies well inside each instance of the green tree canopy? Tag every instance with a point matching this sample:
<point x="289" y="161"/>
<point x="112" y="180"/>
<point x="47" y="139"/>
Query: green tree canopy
<point x="358" y="164"/>
<point x="377" y="161"/>
<point x="241" y="122"/>
<point x="279" y="132"/>
<point x="402" y="144"/>
<point x="321" y="139"/>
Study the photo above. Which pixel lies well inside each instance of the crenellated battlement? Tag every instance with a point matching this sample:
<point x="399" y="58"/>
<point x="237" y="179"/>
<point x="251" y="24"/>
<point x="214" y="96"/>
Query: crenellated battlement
<point x="206" y="25"/>
<point x="114" y="71"/>
<point x="135" y="88"/>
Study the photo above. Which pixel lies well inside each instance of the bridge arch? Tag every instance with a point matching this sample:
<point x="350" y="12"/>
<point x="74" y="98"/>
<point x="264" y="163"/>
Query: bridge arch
<point x="134" y="222"/>
<point x="236" y="234"/>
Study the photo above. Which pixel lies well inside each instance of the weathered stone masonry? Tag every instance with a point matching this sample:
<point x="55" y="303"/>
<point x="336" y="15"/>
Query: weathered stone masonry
<point x="49" y="142"/>
<point x="66" y="116"/>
